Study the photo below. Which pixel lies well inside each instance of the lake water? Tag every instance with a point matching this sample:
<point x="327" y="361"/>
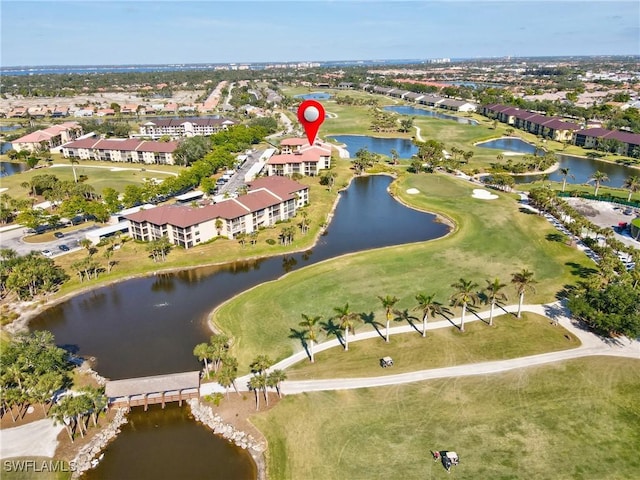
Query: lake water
<point x="383" y="146"/>
<point x="149" y="326"/>
<point x="314" y="96"/>
<point x="581" y="169"/>
<point x="10" y="168"/>
<point x="5" y="147"/>
<point x="510" y="144"/>
<point x="413" y="111"/>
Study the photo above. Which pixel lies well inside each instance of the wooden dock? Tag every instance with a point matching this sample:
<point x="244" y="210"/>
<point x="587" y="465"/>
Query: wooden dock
<point x="145" y="391"/>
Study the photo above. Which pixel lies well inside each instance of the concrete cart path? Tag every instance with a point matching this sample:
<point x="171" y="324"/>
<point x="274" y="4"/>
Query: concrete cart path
<point x="591" y="344"/>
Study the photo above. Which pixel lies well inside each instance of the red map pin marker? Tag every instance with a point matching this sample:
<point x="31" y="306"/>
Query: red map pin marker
<point x="311" y="116"/>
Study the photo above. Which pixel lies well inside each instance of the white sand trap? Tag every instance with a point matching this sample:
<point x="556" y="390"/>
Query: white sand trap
<point x="118" y="169"/>
<point x="512" y="154"/>
<point x="413" y="191"/>
<point x="3" y="189"/>
<point x="483" y="194"/>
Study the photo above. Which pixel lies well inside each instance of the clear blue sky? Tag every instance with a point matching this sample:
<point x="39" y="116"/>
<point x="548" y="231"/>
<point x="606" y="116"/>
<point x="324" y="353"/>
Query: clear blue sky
<point x="55" y="32"/>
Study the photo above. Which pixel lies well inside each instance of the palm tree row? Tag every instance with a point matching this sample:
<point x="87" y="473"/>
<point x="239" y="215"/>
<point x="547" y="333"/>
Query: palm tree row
<point x="466" y="293"/>
<point x="601" y="240"/>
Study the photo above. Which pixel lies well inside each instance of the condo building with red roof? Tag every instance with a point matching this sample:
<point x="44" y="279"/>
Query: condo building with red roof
<point x="269" y="200"/>
<point x="51" y="138"/>
<point x="127" y="150"/>
<point x="297" y="156"/>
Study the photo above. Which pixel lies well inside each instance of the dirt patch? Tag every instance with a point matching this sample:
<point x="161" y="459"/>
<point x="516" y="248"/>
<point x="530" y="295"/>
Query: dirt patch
<point x="238" y="408"/>
<point x="68" y="450"/>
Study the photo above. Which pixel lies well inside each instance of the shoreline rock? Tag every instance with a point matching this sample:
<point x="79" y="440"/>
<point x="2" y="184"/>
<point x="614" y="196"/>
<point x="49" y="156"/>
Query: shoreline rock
<point x="204" y="414"/>
<point x="84" y="458"/>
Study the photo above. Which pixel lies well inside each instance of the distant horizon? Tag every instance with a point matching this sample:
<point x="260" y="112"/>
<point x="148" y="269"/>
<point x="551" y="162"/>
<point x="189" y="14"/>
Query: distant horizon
<point x="354" y="62"/>
<point x="139" y="32"/>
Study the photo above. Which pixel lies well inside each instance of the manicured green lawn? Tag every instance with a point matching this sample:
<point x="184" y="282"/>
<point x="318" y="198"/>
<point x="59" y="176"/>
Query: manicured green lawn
<point x="493" y="239"/>
<point x="99" y="178"/>
<point x="509" y="337"/>
<point x="575" y="419"/>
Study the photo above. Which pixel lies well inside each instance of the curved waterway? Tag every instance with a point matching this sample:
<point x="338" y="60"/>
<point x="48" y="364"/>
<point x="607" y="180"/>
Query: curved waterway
<point x="149" y="326"/>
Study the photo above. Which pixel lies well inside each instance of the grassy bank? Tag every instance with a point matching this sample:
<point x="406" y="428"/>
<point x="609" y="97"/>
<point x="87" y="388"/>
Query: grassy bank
<point x="493" y="239"/>
<point x="576" y="419"/>
<point x="133" y="259"/>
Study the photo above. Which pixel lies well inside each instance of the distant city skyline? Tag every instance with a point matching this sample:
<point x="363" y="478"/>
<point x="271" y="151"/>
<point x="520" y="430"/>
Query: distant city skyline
<point x="53" y="32"/>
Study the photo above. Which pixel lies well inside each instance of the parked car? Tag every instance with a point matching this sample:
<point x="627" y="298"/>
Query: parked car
<point x="64" y="248"/>
<point x="58" y="234"/>
<point x="47" y="253"/>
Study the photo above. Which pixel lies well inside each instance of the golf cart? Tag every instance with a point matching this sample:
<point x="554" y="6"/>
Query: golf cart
<point x="449" y="459"/>
<point x="386" y="362"/>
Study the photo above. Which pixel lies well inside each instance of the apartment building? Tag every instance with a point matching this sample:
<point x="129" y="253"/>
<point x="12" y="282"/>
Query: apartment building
<point x="124" y="150"/>
<point x="184" y="127"/>
<point x="269" y="200"/>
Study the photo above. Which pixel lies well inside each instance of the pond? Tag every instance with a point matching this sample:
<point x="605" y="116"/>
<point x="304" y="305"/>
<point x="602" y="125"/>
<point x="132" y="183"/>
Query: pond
<point x="149" y="326"/>
<point x="581" y="169"/>
<point x="510" y="144"/>
<point x="11" y="168"/>
<point x="170" y="444"/>
<point x="313" y="96"/>
<point x="5" y="147"/>
<point x="383" y="146"/>
<point x="408" y="110"/>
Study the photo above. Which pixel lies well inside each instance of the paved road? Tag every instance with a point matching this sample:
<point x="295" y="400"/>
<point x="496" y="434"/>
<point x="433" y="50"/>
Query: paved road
<point x="591" y="345"/>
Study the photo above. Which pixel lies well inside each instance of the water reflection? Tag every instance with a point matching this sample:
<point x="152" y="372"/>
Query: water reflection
<point x="170" y="444"/>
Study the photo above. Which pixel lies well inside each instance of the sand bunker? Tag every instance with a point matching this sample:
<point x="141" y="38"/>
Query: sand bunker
<point x="483" y="194"/>
<point x="413" y="191"/>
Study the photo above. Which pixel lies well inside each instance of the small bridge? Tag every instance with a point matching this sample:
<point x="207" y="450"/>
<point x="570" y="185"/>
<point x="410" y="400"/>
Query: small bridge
<point x="145" y="391"/>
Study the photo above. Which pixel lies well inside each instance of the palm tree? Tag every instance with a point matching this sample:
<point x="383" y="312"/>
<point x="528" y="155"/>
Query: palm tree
<point x="428" y="306"/>
<point x="387" y="303"/>
<point x="394" y="156"/>
<point x="523" y="280"/>
<point x="564" y="172"/>
<point x="257" y="383"/>
<point x="346" y="320"/>
<point x="275" y="379"/>
<point x="597" y="178"/>
<point x="203" y="352"/>
<point x="463" y="296"/>
<point x="309" y="323"/>
<point x="260" y="364"/>
<point x="494" y="295"/>
<point x="632" y="184"/>
<point x="74" y="162"/>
